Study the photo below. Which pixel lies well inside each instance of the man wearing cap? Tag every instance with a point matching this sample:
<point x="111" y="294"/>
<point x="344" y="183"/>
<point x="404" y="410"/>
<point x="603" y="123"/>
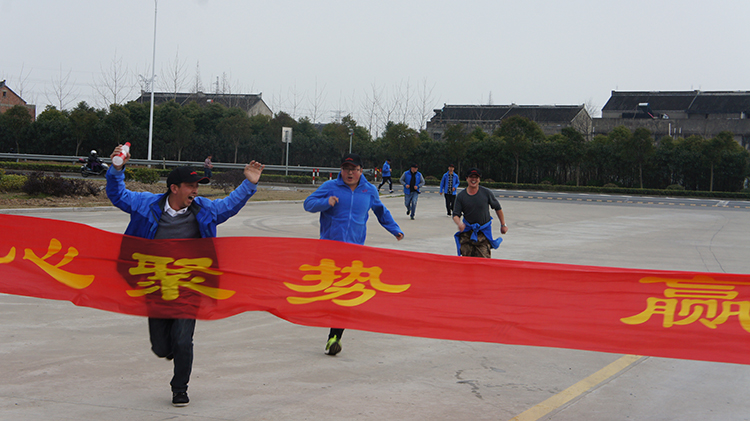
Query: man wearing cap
<point x="178" y="213"/>
<point x="412" y="181"/>
<point x="448" y="186"/>
<point x="474" y="236"/>
<point x="344" y="205"/>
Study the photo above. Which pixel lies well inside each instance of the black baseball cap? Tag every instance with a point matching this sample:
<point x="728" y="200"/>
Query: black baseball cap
<point x="474" y="172"/>
<point x="414" y="165"/>
<point x="353" y="159"/>
<point x="185" y="175"/>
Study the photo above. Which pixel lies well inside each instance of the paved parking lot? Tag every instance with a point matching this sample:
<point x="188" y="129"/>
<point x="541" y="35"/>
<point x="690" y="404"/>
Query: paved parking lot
<point x="59" y="361"/>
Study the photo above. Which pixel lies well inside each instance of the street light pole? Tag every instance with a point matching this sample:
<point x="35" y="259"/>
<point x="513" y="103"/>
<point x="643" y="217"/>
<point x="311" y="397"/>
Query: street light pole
<point x="351" y="132"/>
<point x="153" y="78"/>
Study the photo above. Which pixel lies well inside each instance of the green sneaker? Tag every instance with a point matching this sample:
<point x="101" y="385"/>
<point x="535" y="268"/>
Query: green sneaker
<point x="333" y="346"/>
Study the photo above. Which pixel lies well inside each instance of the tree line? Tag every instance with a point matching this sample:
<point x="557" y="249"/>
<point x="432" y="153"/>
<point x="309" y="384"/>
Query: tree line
<point x="517" y="152"/>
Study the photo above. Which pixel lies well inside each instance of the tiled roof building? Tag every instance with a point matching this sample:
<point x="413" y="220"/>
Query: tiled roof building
<point x="253" y="104"/>
<point x="679" y="113"/>
<point x="551" y="118"/>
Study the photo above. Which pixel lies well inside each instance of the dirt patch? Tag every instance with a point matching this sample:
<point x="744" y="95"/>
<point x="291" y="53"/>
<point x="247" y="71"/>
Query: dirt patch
<point x="22" y="200"/>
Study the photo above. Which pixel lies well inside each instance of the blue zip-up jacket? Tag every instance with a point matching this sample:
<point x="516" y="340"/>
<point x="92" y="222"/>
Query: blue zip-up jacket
<point x="406" y="179"/>
<point x="347" y="220"/>
<point x="444" y="183"/>
<point x="386" y="169"/>
<point x="145" y="208"/>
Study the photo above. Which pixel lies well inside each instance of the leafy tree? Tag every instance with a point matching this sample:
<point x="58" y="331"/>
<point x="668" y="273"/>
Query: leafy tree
<point x="17" y="120"/>
<point x="571" y="146"/>
<point x="52" y="132"/>
<point x="519" y="133"/>
<point x="83" y="122"/>
<point x="175" y="128"/>
<point x="236" y="128"/>
<point x="715" y="149"/>
<point x="402" y="141"/>
<point x="456" y="142"/>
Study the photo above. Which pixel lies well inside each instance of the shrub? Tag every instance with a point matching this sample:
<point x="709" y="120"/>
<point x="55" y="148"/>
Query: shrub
<point x="610" y="185"/>
<point x="228" y="180"/>
<point x="143" y="175"/>
<point x="37" y="184"/>
<point x="675" y="187"/>
<point x="12" y="182"/>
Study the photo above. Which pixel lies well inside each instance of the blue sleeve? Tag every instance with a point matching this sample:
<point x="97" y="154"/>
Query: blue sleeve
<point x="444" y="184"/>
<point x="318" y="200"/>
<point x="227" y="207"/>
<point x="384" y="216"/>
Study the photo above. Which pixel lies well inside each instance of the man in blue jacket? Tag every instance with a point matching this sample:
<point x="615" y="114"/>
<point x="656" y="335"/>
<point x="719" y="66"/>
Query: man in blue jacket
<point x="448" y="186"/>
<point x="412" y="181"/>
<point x="178" y="213"/>
<point x="387" y="175"/>
<point x="344" y="205"/>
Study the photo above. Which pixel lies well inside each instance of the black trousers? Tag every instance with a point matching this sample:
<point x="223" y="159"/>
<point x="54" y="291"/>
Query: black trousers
<point x="173" y="338"/>
<point x="450" y="199"/>
<point x="336" y="332"/>
<point x="390" y="183"/>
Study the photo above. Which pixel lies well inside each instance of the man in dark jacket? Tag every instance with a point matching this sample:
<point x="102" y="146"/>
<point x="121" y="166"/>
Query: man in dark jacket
<point x="178" y="213"/>
<point x="412" y="181"/>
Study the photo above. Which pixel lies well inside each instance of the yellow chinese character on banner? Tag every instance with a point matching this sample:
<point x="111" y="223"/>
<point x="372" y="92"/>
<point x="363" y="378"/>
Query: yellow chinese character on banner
<point x="172" y="278"/>
<point x="72" y="280"/>
<point x="9" y="257"/>
<point x="698" y="299"/>
<point x="333" y="287"/>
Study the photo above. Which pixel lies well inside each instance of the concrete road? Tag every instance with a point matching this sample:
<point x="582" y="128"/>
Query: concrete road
<point x="62" y="362"/>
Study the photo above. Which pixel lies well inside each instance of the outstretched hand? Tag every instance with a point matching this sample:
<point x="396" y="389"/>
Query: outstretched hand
<point x="253" y="170"/>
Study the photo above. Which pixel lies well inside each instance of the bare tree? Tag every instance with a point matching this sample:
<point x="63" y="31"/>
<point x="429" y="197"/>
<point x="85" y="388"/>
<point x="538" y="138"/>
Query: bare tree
<point x="62" y="93"/>
<point x="370" y="107"/>
<point x="592" y="108"/>
<point x="21" y="85"/>
<point x="295" y="99"/>
<point x="198" y="83"/>
<point x="114" y="85"/>
<point x="174" y="76"/>
<point x="426" y="104"/>
<point x="316" y="102"/>
<point x="387" y="111"/>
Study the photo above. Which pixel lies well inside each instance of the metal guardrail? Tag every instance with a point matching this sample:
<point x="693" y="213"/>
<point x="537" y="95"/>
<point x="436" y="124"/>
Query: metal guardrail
<point x="165" y="163"/>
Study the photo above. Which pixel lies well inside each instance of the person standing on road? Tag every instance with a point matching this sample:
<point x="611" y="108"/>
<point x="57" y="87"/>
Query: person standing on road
<point x="208" y="166"/>
<point x="386" y="173"/>
<point x="474" y="236"/>
<point x="344" y="205"/>
<point x="412" y="181"/>
<point x="448" y="186"/>
<point x="178" y="213"/>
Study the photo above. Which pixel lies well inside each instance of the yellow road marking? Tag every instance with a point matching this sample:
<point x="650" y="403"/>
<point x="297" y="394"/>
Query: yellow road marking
<point x="567" y="395"/>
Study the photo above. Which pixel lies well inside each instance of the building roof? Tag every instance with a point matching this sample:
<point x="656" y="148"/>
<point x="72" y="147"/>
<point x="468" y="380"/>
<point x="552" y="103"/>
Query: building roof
<point x="538" y="113"/>
<point x="691" y="102"/>
<point x="244" y="101"/>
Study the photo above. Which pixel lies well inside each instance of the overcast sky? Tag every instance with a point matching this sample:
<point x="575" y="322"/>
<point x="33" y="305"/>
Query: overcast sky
<point x="530" y="52"/>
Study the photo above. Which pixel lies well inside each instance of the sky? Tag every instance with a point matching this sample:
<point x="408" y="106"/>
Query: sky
<point x="398" y="59"/>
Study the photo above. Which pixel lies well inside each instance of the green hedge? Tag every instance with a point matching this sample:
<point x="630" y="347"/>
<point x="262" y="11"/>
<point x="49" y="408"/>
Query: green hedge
<point x="145" y="174"/>
<point x="12" y="183"/>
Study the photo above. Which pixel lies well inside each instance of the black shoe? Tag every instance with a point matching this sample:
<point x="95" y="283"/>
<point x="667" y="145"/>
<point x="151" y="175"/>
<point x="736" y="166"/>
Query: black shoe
<point x="390" y="191"/>
<point x="180" y="399"/>
<point x="412" y="217"/>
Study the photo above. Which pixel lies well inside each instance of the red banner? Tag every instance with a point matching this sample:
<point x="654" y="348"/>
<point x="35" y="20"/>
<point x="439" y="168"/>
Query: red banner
<point x="702" y="316"/>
